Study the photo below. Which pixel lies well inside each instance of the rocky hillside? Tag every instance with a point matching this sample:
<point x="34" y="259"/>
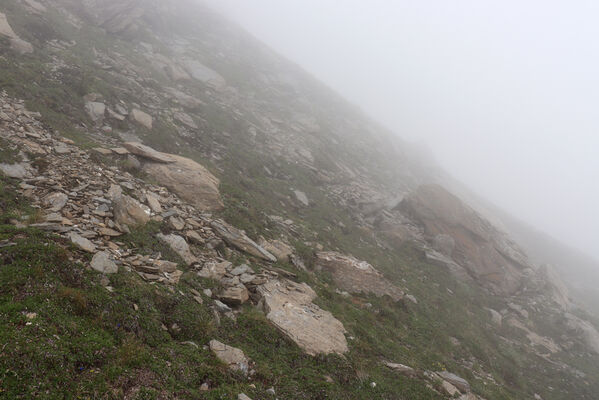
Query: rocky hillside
<point x="184" y="214"/>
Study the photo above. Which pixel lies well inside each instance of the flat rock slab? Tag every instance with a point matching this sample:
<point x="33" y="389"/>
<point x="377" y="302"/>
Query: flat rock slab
<point x="356" y="276"/>
<point x="288" y="305"/>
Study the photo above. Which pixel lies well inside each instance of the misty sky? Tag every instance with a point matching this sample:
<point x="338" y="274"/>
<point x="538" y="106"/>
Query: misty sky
<point x="506" y="94"/>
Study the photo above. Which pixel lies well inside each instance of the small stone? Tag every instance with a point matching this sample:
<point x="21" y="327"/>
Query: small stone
<point x="243" y="396"/>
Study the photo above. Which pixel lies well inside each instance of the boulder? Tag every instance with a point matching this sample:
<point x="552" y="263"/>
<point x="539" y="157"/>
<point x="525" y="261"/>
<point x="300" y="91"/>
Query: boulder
<point x="189" y="180"/>
<point x="233" y="357"/>
<point x="96" y="111"/>
<point x="128" y="211"/>
<point x="236" y="238"/>
<point x="141" y="118"/>
<point x="179" y="246"/>
<point x="356" y="276"/>
<point x="288" y="305"/>
<point x="101" y="262"/>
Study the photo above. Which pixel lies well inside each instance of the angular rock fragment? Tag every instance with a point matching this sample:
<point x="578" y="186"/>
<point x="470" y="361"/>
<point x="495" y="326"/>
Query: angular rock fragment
<point x="233" y="357"/>
<point x="82" y="242"/>
<point x="179" y="246"/>
<point x="129" y="212"/>
<point x="236" y="238"/>
<point x="102" y="262"/>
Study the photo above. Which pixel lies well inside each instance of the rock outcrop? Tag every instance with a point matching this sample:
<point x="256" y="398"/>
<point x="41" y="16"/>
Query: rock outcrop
<point x="356" y="276"/>
<point x="16" y="43"/>
<point x="475" y="244"/>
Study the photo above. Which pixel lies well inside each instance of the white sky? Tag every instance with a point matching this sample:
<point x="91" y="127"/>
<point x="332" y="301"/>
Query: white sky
<point x="505" y="93"/>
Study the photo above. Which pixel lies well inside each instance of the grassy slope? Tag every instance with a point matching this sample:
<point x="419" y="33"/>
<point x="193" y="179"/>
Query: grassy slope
<point x="110" y="348"/>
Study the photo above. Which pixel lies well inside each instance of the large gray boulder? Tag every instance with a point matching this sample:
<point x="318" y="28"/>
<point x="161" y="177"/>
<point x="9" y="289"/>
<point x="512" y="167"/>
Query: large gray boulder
<point x="188" y="179"/>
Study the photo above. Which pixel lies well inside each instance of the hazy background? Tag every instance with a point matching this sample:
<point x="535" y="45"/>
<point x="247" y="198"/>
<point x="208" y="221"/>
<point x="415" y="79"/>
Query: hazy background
<point x="506" y="94"/>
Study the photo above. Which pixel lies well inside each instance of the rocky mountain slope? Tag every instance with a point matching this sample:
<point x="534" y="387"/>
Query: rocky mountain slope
<point x="187" y="215"/>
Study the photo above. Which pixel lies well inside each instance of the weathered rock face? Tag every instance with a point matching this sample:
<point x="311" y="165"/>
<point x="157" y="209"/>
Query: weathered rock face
<point x="16" y="43"/>
<point x="477" y="246"/>
<point x="356" y="276"/>
<point x="239" y="240"/>
<point x="188" y="179"/>
<point x="288" y="305"/>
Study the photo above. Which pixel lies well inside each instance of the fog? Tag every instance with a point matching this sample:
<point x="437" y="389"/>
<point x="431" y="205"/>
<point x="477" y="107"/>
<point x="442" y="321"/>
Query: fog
<point x="504" y="93"/>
